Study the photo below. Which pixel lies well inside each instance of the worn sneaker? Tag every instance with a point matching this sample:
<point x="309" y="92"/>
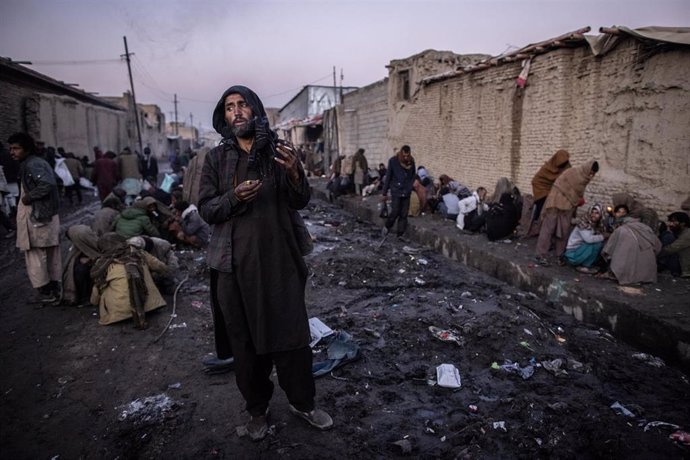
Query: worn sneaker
<point x="541" y="260"/>
<point x="257" y="427"/>
<point x="316" y="418"/>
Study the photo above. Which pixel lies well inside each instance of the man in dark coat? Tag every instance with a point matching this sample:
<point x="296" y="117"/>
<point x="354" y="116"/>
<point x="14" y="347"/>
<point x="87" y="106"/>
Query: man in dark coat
<point x="251" y="185"/>
<point x="399" y="180"/>
<point x="105" y="174"/>
<point x="149" y="166"/>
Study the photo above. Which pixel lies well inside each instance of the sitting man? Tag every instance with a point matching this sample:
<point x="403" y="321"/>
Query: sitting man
<point x="123" y="286"/>
<point x="189" y="227"/>
<point x="631" y="251"/>
<point x="471" y="213"/>
<point x="585" y="241"/>
<point x="676" y="255"/>
<point x="449" y="205"/>
<point x="134" y="221"/>
<point x="504" y="215"/>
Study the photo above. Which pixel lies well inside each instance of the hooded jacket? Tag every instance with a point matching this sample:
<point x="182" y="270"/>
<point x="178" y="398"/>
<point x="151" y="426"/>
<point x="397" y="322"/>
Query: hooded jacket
<point x="570" y="187"/>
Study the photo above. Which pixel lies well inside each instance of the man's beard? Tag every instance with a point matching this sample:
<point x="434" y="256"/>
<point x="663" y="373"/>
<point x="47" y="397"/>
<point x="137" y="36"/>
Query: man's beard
<point x="245" y="131"/>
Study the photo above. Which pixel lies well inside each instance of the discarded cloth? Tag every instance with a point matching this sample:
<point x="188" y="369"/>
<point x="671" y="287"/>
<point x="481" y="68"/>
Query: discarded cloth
<point x="341" y="350"/>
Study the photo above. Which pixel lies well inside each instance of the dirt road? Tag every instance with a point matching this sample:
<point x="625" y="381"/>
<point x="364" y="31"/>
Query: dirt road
<point x="73" y="389"/>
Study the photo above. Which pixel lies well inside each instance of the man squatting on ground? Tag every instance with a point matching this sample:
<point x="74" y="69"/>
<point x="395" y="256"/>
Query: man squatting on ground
<point x="38" y="223"/>
<point x="250" y="184"/>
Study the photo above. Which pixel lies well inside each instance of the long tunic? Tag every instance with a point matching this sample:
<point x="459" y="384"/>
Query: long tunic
<point x="256" y="243"/>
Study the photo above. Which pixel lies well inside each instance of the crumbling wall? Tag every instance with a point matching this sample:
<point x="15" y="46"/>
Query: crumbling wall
<point x="629" y="109"/>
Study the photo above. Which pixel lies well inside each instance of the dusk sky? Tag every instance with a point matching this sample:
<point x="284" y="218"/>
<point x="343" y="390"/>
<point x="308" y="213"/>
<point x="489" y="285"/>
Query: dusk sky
<point x="197" y="49"/>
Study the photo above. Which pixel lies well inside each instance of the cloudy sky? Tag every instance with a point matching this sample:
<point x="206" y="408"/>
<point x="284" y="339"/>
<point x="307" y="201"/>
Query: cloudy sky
<point x="198" y="48"/>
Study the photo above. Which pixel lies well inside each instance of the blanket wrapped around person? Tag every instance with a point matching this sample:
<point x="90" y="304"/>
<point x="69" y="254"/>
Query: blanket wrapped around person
<point x="123" y="286"/>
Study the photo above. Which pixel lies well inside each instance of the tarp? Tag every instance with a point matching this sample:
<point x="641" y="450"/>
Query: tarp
<point x="602" y="44"/>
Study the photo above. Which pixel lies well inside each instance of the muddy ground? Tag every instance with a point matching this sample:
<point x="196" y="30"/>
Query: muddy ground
<point x="73" y="389"/>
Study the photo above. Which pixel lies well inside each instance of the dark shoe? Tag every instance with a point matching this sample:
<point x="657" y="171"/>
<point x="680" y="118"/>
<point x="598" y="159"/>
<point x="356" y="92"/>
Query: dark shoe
<point x="316" y="418"/>
<point x="218" y="366"/>
<point x="10" y="234"/>
<point x="257" y="427"/>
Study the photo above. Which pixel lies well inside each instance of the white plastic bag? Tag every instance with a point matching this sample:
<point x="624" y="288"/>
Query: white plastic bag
<point x="63" y="173"/>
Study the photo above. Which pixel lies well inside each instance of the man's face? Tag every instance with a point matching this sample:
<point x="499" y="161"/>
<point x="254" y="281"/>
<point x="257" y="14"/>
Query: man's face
<point x="675" y="226"/>
<point x="238" y="115"/>
<point x="620" y="213"/>
<point x="595" y="215"/>
<point x="17" y="152"/>
<point x="406" y="156"/>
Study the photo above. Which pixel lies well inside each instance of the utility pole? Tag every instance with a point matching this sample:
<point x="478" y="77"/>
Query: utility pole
<point x="134" y="99"/>
<point x="341" y="84"/>
<point x="191" y="125"/>
<point x="177" y="131"/>
<point x="335" y="88"/>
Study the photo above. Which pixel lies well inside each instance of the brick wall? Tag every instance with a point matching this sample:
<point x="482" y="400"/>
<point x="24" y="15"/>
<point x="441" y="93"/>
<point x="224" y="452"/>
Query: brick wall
<point x="363" y="119"/>
<point x="629" y="109"/>
<point x="60" y="121"/>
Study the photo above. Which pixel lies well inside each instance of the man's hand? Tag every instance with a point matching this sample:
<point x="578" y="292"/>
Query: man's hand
<point x="287" y="157"/>
<point x="26" y="199"/>
<point x="247" y="190"/>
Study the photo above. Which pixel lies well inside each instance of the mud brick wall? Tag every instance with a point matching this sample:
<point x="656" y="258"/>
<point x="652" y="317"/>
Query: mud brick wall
<point x="363" y="123"/>
<point x="629" y="109"/>
<point x="13" y="113"/>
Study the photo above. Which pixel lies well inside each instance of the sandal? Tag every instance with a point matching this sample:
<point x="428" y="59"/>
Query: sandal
<point x="607" y="276"/>
<point x="587" y="270"/>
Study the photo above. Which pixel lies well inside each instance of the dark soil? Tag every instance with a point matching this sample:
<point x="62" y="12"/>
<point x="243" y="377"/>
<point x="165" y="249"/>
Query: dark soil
<point x="71" y="388"/>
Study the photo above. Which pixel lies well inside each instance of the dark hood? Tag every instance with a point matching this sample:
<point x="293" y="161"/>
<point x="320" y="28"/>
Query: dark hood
<point x="219" y="123"/>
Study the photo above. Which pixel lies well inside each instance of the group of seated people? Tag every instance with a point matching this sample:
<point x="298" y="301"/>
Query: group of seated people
<point x="120" y="261"/>
<point x="625" y="242"/>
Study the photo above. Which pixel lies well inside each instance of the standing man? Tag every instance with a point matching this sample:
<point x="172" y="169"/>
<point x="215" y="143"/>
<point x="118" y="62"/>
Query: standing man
<point x="360" y="171"/>
<point x="149" y="166"/>
<point x="38" y="223"/>
<point x="399" y="180"/>
<point x="106" y="174"/>
<point x="250" y="186"/>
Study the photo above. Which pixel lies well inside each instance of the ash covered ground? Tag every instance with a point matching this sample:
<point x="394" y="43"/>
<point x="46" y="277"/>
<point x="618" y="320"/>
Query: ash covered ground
<point x="534" y="381"/>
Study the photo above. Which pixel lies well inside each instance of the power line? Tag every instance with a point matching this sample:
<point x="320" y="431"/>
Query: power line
<point x="84" y="62"/>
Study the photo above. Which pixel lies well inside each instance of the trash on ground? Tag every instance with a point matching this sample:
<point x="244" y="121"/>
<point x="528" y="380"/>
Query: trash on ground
<point x="526" y="345"/>
<point x="473" y="409"/>
<point x="445" y="335"/>
<point x="621" y="409"/>
<point x="404" y="445"/>
<point x="659" y="423"/>
<point x="178" y="326"/>
<point x="175" y="386"/>
<point x="318" y="330"/>
<point x="466" y="294"/>
<point x="527" y="331"/>
<point x="500" y="426"/>
<point x="681" y="436"/>
<point x="411" y="250"/>
<point x="515" y="368"/>
<point x="554" y="366"/>
<point x="341" y="350"/>
<point x="419" y="281"/>
<point x="149" y="410"/>
<point x="421" y="261"/>
<point x="448" y="376"/>
<point x="649" y="359"/>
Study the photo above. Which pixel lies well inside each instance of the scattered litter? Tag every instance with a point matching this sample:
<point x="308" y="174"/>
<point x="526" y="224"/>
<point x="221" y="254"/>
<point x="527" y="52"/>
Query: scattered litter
<point x="527" y="331"/>
<point x="149" y="410"/>
<point x="681" y="436"/>
<point x="659" y="423"/>
<point x="631" y="290"/>
<point x="649" y="359"/>
<point x="473" y="409"/>
<point x="401" y="271"/>
<point x="419" y="281"/>
<point x="514" y="368"/>
<point x="448" y="376"/>
<point x="575" y="365"/>
<point x="506" y="241"/>
<point x="197" y="305"/>
<point x="559" y="338"/>
<point x="372" y="332"/>
<point x="446" y="335"/>
<point x="466" y="294"/>
<point x="500" y="426"/>
<point x="318" y="330"/>
<point x="421" y="261"/>
<point x="526" y="345"/>
<point x="341" y="350"/>
<point x="66" y="379"/>
<point x="178" y="326"/>
<point x="342" y="283"/>
<point x="495" y="366"/>
<point x="621" y="409"/>
<point x="411" y="250"/>
<point x="554" y="366"/>
<point x="175" y="386"/>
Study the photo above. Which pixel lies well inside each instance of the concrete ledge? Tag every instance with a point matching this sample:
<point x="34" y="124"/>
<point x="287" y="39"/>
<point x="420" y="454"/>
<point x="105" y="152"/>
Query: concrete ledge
<point x="652" y="317"/>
